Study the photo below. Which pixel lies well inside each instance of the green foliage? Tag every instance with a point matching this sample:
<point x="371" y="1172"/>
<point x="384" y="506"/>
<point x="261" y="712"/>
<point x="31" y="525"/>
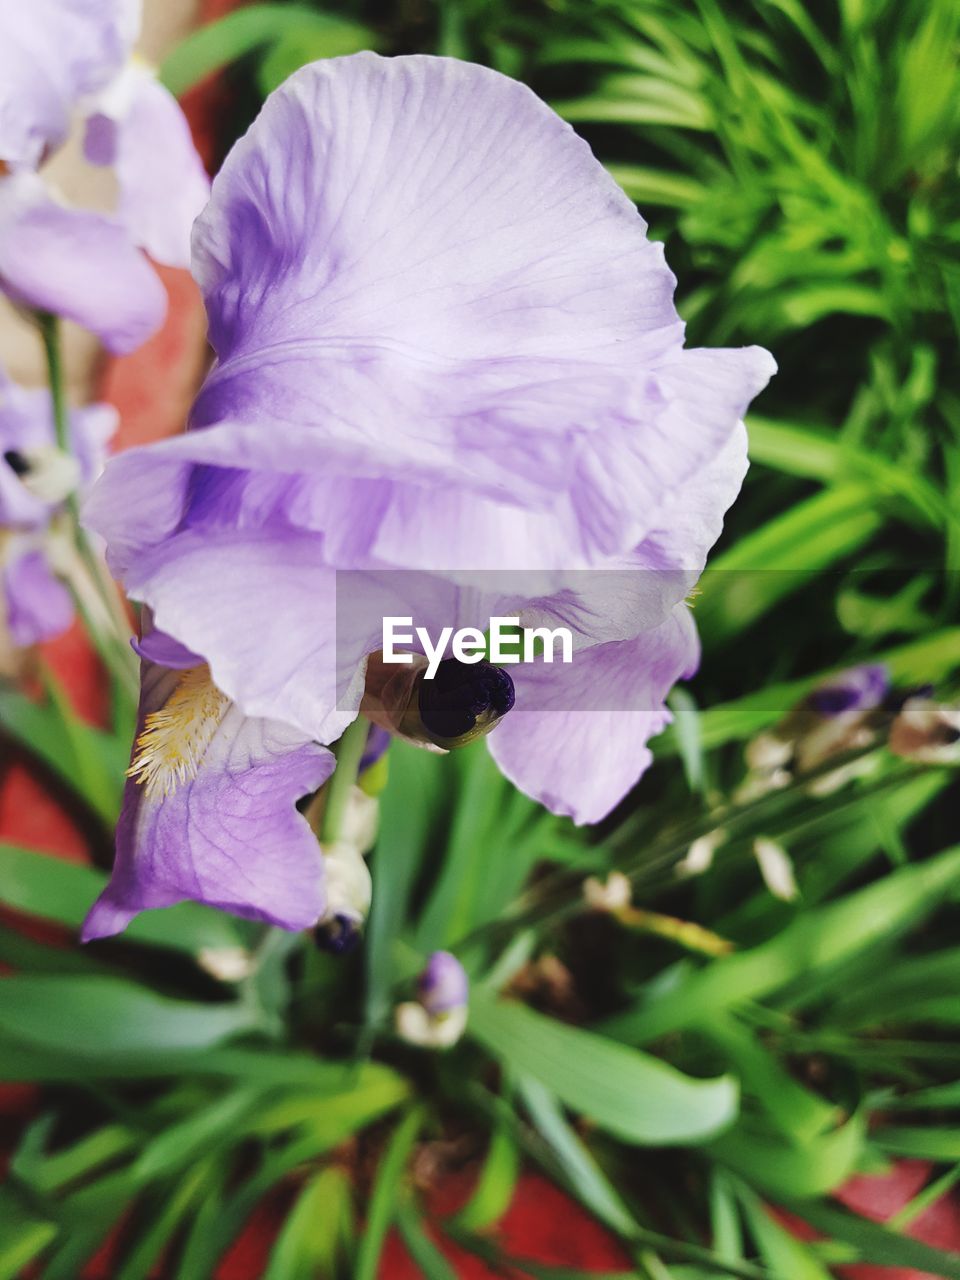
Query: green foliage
<point x="799" y="163"/>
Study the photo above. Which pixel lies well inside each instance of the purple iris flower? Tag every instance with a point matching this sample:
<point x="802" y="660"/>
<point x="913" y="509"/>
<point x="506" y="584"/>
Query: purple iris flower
<point x="35" y="478"/>
<point x="446" y="345"/>
<point x="65" y="58"/>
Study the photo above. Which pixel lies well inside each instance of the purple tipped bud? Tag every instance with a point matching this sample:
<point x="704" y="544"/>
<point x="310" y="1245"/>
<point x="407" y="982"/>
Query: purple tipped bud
<point x="443" y="985"/>
<point x="378" y="740"/>
<point x="858" y="689"/>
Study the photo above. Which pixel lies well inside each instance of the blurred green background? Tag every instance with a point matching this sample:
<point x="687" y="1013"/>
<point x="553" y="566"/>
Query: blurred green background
<point x="727" y="1049"/>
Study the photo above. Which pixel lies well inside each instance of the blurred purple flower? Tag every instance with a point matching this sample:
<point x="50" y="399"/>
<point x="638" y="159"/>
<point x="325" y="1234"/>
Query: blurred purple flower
<point x="444" y="343"/>
<point x="53" y="53"/>
<point x="857" y="689"/>
<point x="443" y="985"/>
<point x="59" y="58"/>
<point x="35" y="478"/>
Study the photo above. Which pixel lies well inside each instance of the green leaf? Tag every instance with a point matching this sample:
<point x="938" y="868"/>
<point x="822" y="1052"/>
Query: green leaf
<point x="315" y="1230"/>
<point x="44" y="885"/>
<point x="425" y="1254"/>
<point x="326" y="37"/>
<point x="657" y="186"/>
<point x="216" y="45"/>
<point x="772" y="562"/>
<point x="105" y="1019"/>
<point x="875" y="1243"/>
<point x="815" y="940"/>
<point x="193" y="1136"/>
<point x="686" y="721"/>
<point x="90" y="762"/>
<point x="24" y="1234"/>
<point x="165" y="1220"/>
<point x="386" y="1191"/>
<point x="781" y="1167"/>
<point x="938" y="1143"/>
<point x="581" y="1170"/>
<point x="800" y="451"/>
<point x="406" y="812"/>
<point x="787" y="1257"/>
<point x="632" y="1095"/>
<point x="495" y="1187"/>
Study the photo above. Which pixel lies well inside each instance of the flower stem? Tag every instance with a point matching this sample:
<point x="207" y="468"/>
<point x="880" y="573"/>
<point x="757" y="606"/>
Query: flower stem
<point x="50" y="333"/>
<point x="349" y="753"/>
<point x="106" y="620"/>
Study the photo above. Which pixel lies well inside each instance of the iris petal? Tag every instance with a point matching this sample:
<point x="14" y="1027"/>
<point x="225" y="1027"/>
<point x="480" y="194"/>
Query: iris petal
<point x="221" y="828"/>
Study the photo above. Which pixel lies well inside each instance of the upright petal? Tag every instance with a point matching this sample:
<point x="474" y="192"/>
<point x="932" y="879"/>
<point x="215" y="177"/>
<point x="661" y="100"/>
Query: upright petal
<point x="417" y="262"/>
<point x="577" y="738"/>
<point x="209" y="812"/>
<point x="138" y="129"/>
<point x="76" y="264"/>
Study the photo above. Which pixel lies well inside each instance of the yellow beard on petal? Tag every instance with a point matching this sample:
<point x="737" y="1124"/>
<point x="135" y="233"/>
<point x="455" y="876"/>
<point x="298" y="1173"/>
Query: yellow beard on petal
<point x="174" y="740"/>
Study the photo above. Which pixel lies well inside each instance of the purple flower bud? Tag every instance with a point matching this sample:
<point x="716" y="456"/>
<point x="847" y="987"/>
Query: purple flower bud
<point x="463" y="702"/>
<point x="443" y="985"/>
<point x="858" y="689"/>
<point x="378" y="742"/>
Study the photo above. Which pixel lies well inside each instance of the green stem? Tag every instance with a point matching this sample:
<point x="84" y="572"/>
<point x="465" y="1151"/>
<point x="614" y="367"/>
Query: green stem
<point x="50" y="333"/>
<point x="90" y="580"/>
<point x="349" y="753"/>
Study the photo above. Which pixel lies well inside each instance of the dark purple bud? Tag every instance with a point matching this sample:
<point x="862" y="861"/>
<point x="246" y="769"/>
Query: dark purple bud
<point x="340" y="934"/>
<point x="378" y="740"/>
<point x="464" y="701"/>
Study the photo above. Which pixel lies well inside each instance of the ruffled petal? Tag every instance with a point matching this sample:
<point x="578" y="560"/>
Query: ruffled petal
<point x="690" y="519"/>
<point x="262" y="610"/>
<point x="52" y="52"/>
<point x="416" y="262"/>
<point x="75" y="264"/>
<point x="227" y="832"/>
<point x="137" y="127"/>
<point x="576" y="739"/>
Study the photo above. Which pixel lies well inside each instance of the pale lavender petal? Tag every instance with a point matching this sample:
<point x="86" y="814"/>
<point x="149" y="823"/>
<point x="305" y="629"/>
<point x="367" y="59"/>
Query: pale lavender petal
<point x="79" y="265"/>
<point x="36" y="605"/>
<point x="52" y="52"/>
<point x="139" y="130"/>
<point x="443" y="985"/>
<point x="512" y="392"/>
<point x="577" y="738"/>
<point x="228" y="833"/>
<point x="261" y="609"/>
<point x="690" y="519"/>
